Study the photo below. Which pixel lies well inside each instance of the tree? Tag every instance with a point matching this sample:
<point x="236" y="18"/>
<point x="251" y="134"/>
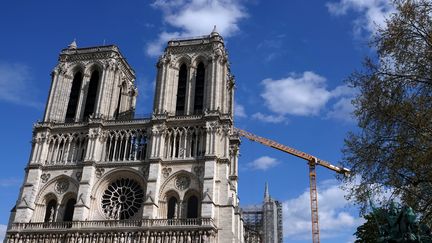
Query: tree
<point x="393" y="148"/>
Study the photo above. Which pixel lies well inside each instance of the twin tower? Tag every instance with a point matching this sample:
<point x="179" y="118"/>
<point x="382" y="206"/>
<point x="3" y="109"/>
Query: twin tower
<point x="98" y="174"/>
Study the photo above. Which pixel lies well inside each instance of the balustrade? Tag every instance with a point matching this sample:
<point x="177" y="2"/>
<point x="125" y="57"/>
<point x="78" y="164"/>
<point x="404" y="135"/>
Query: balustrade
<point x="117" y="145"/>
<point x="158" y="235"/>
<point x="114" y="223"/>
<point x="66" y="148"/>
<point x="125" y="145"/>
<point x="184" y="142"/>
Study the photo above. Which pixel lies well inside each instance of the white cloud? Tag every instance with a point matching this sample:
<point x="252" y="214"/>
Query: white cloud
<point x="334" y="217"/>
<point x="15" y="86"/>
<point x="343" y="90"/>
<point x="269" y="118"/>
<point x="342" y="110"/>
<point x="352" y="239"/>
<point x="239" y="110"/>
<point x="272" y="47"/>
<point x="197" y="17"/>
<point x="381" y="195"/>
<point x="263" y="163"/>
<point x="305" y="95"/>
<point x="154" y="48"/>
<point x="6" y="182"/>
<point x="373" y="13"/>
<point x="296" y="95"/>
<point x="3" y="229"/>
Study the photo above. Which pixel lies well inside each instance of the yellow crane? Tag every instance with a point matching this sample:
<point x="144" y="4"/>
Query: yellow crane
<point x="312" y="162"/>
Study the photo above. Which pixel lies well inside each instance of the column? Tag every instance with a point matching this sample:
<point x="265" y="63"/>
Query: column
<point x="208" y="203"/>
<point x="82" y="96"/>
<point x="163" y="88"/>
<point x="151" y="202"/>
<point x="54" y="80"/>
<point x="103" y="82"/>
<point x="112" y="93"/>
<point x="190" y="90"/>
<point x="82" y="206"/>
<point x="26" y="202"/>
<point x="64" y="96"/>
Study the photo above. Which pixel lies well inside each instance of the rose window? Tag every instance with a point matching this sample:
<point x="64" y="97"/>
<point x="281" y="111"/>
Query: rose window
<point x="182" y="182"/>
<point x="122" y="199"/>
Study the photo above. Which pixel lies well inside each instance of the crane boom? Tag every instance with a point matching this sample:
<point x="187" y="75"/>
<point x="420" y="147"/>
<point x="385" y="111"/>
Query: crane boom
<point x="292" y="151"/>
<point x="312" y="161"/>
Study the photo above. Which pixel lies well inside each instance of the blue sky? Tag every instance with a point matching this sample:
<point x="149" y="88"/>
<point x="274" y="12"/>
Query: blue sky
<point x="290" y="59"/>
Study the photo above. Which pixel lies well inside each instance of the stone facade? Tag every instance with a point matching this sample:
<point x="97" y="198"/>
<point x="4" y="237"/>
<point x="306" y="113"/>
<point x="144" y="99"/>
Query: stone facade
<point x="97" y="174"/>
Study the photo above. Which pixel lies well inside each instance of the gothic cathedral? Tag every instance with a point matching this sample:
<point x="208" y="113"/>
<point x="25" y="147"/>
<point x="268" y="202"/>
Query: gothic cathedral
<point x="97" y="173"/>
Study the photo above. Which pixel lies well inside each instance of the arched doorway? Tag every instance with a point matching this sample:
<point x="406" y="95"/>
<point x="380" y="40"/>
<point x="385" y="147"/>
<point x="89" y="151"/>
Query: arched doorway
<point x="69" y="210"/>
<point x="172" y="208"/>
<point x="192" y="207"/>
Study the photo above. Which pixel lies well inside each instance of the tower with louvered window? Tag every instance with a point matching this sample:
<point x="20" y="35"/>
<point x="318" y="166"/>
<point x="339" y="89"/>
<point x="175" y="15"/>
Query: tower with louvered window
<point x="99" y="174"/>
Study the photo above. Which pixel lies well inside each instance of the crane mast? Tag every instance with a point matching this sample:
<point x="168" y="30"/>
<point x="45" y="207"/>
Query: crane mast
<point x="312" y="162"/>
<point x="314" y="201"/>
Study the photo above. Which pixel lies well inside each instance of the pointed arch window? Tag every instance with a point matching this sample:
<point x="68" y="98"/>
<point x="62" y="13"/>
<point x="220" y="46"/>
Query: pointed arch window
<point x="69" y="210"/>
<point x="50" y="211"/>
<point x="172" y="208"/>
<point x="181" y="90"/>
<point x="199" y="89"/>
<point x="192" y="207"/>
<point x="117" y="111"/>
<point x="193" y="144"/>
<point x="73" y="97"/>
<point x="91" y="94"/>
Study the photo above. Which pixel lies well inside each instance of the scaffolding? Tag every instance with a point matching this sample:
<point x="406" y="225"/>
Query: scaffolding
<point x="263" y="223"/>
<point x="253" y="224"/>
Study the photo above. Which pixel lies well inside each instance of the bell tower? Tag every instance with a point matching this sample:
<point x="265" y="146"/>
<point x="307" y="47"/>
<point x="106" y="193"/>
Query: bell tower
<point x="90" y="83"/>
<point x="96" y="173"/>
<point x="192" y="124"/>
<point x="194" y="77"/>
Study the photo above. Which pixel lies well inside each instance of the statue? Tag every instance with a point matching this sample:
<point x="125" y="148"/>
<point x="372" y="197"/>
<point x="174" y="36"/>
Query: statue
<point x="51" y="217"/>
<point x="401" y="226"/>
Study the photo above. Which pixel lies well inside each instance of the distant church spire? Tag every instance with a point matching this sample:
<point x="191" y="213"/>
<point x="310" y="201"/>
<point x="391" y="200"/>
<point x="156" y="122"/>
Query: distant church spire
<point x="266" y="191"/>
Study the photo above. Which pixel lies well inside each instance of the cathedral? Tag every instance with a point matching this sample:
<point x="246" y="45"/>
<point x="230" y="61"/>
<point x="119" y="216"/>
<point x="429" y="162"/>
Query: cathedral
<point x="97" y="173"/>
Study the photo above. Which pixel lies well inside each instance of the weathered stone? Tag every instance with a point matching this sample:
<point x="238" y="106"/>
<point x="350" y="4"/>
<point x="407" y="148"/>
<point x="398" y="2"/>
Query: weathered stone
<point x="165" y="178"/>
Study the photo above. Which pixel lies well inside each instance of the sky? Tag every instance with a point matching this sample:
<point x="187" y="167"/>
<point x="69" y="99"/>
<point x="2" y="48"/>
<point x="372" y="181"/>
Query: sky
<point x="290" y="59"/>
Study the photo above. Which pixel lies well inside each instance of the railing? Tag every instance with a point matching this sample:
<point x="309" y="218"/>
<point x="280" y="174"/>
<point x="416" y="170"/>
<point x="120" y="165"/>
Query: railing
<point x="90" y="49"/>
<point x="184" y="142"/>
<point x="125" y="145"/>
<point x="141" y="116"/>
<point x="189" y="38"/>
<point x="66" y="148"/>
<point x="203" y="222"/>
<point x="120" y="142"/>
<point x="126" y="115"/>
<point x="137" y="118"/>
<point x="185" y="117"/>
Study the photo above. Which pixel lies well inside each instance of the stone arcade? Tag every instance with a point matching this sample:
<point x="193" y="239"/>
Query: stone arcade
<point x="99" y="174"/>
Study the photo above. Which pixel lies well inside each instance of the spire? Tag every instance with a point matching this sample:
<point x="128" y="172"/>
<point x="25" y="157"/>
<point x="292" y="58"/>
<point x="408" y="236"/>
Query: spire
<point x="214" y="31"/>
<point x="73" y="45"/>
<point x="266" y="191"/>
